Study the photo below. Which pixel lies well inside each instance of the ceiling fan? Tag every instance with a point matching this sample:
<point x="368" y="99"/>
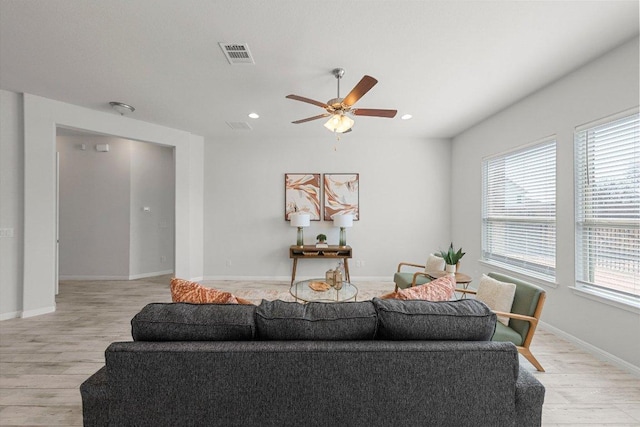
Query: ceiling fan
<point x="340" y="110"/>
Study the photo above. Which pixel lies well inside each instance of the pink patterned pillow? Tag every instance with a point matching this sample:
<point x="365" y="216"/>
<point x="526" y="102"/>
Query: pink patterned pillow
<point x="187" y="291"/>
<point x="441" y="289"/>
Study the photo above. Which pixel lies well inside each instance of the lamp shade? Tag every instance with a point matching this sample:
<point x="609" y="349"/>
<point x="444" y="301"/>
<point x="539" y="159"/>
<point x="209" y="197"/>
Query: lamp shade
<point x="344" y="220"/>
<point x="300" y="219"/>
<point x="339" y="123"/>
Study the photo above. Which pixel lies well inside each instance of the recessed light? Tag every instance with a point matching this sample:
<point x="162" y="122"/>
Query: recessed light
<point x="254" y="115"/>
<point x="406" y="117"/>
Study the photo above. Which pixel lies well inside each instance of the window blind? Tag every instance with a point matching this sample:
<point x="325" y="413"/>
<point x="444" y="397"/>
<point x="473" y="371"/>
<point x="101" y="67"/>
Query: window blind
<point x="519" y="209"/>
<point x="607" y="182"/>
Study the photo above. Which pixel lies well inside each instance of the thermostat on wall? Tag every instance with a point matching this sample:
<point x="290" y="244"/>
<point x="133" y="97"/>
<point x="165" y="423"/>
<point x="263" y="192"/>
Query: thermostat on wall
<point x="102" y="147"/>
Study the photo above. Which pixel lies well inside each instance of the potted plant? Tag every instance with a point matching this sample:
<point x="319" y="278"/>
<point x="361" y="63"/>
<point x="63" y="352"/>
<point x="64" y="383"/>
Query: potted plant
<point x="322" y="238"/>
<point x="451" y="258"/>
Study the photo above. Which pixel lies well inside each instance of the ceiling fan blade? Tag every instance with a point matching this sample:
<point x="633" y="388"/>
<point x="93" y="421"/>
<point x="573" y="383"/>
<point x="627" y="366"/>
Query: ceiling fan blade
<point x="374" y="112"/>
<point x="363" y="86"/>
<point x="307" y="100"/>
<point x="308" y="119"/>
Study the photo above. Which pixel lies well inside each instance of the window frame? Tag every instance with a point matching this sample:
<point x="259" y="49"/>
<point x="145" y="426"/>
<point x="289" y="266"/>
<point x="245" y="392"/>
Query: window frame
<point x="585" y="271"/>
<point x="547" y="273"/>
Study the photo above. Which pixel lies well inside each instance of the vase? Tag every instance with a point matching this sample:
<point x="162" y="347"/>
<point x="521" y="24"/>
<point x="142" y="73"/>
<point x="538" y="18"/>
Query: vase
<point x="450" y="268"/>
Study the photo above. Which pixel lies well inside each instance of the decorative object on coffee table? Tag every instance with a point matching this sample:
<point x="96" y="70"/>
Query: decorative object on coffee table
<point x="304" y="291"/>
<point x="300" y="220"/>
<point x="451" y="258"/>
<point x="343" y="221"/>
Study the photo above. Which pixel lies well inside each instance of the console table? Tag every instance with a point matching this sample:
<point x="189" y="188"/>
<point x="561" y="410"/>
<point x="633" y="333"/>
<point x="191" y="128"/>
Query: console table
<point x="311" y="252"/>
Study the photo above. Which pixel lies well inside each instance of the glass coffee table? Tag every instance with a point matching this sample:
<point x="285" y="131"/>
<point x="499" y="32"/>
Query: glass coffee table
<point x="302" y="292"/>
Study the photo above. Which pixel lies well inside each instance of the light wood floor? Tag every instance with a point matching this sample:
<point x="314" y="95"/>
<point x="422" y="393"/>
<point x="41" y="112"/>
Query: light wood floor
<point x="44" y="359"/>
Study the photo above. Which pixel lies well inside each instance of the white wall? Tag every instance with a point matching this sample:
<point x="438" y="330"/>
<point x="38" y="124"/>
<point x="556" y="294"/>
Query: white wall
<point x="404" y="203"/>
<point x="152" y="186"/>
<point x="599" y="89"/>
<point x="94" y="208"/>
<point x="34" y="281"/>
<point x="11" y="203"/>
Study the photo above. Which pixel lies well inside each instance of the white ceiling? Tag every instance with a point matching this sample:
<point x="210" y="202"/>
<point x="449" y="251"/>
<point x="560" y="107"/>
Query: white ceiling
<point x="448" y="63"/>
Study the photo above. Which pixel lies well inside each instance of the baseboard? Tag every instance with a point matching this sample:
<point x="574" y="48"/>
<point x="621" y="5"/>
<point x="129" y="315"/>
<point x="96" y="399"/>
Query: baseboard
<point x="595" y="351"/>
<point x="10" y="315"/>
<point x="38" y="312"/>
<point x="354" y="279"/>
<point x="153" y="274"/>
<point x="130" y="277"/>
<point x="86" y="277"/>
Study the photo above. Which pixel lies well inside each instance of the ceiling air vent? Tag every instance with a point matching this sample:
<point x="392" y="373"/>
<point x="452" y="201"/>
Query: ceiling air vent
<point x="239" y="125"/>
<point x="237" y="53"/>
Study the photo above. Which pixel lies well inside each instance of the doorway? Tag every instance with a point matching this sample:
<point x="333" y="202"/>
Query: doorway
<point x="116" y="201"/>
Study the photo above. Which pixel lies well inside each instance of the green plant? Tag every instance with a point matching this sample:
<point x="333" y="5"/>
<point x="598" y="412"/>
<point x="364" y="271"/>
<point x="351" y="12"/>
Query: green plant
<point x="452" y="257"/>
<point x="321" y="237"/>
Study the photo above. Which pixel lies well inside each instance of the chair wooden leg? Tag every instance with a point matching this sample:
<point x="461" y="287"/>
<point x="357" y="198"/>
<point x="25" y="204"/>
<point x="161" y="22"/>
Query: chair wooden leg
<point x="396" y="289"/>
<point x="527" y="355"/>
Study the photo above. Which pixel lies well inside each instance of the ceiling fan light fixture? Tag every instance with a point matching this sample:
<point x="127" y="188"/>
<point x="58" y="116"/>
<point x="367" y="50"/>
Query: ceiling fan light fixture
<point x="339" y="123"/>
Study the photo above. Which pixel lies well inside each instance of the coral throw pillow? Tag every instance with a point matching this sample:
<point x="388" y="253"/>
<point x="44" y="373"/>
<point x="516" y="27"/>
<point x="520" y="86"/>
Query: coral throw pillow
<point x="441" y="289"/>
<point x="192" y="292"/>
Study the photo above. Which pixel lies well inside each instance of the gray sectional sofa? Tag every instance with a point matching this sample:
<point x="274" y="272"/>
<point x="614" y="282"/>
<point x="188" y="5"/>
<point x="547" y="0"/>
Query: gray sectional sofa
<point x="373" y="363"/>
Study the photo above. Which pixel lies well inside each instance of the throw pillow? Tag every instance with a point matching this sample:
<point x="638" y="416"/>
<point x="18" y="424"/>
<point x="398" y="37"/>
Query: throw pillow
<point x="192" y="292"/>
<point x="497" y="295"/>
<point x="441" y="289"/>
<point x="434" y="263"/>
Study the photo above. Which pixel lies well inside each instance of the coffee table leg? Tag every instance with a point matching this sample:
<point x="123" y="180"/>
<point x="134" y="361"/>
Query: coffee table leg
<point x="346" y="270"/>
<point x="293" y="271"/>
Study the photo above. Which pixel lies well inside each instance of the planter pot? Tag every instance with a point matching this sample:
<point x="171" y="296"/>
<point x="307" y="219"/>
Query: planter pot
<point x="450" y="268"/>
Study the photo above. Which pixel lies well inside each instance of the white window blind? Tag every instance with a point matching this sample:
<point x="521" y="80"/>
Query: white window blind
<point x="519" y="209"/>
<point x="607" y="179"/>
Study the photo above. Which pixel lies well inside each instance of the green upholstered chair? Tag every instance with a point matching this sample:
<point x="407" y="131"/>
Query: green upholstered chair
<point x="524" y="316"/>
<point x="406" y="279"/>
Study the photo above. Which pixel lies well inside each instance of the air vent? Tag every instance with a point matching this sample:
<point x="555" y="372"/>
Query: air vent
<point x="237" y="53"/>
<point x="239" y="125"/>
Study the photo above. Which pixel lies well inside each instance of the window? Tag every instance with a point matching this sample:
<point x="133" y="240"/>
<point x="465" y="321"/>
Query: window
<point x="519" y="209"/>
<point x="607" y="179"/>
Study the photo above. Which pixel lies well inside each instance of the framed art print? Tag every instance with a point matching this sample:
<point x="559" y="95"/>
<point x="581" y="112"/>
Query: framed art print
<point x="341" y="195"/>
<point x="302" y="194"/>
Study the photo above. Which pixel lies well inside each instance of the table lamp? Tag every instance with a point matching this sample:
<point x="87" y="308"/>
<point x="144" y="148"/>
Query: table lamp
<point x="343" y="221"/>
<point x="299" y="219"/>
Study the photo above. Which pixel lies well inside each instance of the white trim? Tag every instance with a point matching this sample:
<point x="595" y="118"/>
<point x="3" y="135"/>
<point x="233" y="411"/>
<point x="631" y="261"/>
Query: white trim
<point x="520" y="273"/>
<point x="548" y="138"/>
<point x="607" y="119"/>
<point x="10" y="315"/>
<point x="595" y="351"/>
<point x="86" y="277"/>
<point x="354" y="279"/>
<point x="152" y="274"/>
<point x="602" y="298"/>
<point x="107" y="277"/>
<point x="38" y="312"/>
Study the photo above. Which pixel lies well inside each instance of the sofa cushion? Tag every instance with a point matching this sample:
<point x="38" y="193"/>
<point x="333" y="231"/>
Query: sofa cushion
<point x="464" y="320"/>
<point x="281" y="320"/>
<point x="194" y="322"/>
